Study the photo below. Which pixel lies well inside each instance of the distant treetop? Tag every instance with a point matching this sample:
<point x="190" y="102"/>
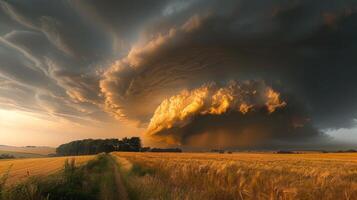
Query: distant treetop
<point x="95" y="146"/>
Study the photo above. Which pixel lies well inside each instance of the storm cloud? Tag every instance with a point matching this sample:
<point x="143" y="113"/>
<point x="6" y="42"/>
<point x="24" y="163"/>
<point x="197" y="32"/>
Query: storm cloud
<point x="98" y="60"/>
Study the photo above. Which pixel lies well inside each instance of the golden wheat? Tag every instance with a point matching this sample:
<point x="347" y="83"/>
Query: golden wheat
<point x="244" y="175"/>
<point x="21" y="169"/>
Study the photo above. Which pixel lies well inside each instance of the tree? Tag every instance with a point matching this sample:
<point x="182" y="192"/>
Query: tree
<point x="90" y="146"/>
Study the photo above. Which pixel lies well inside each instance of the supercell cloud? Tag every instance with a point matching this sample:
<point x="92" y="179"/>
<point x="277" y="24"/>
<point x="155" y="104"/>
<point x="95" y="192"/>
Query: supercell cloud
<point x="248" y="114"/>
<point x="168" y="66"/>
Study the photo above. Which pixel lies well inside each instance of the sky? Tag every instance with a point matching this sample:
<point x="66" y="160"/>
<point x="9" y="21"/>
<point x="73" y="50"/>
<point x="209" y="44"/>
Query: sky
<point x="190" y="73"/>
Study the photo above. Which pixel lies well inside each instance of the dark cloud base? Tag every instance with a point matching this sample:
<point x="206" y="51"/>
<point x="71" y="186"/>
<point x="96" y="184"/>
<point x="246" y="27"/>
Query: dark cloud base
<point x="252" y="130"/>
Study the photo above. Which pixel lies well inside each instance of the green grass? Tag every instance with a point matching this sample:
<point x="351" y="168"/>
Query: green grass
<point x="92" y="181"/>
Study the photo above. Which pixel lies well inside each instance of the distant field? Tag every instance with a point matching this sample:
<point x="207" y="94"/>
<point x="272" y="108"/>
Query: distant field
<point x="240" y="175"/>
<point x="22" y="155"/>
<point x="28" y="150"/>
<point x="21" y="169"/>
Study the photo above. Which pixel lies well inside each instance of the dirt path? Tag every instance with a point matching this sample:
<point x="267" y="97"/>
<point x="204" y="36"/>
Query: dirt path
<point x="122" y="193"/>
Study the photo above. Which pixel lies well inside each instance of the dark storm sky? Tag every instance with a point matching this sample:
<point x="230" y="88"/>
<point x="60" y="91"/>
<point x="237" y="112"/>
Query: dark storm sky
<point x="116" y="61"/>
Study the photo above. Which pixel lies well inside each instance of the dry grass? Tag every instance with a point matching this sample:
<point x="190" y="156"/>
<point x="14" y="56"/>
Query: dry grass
<point x="241" y="176"/>
<point x="21" y="169"/>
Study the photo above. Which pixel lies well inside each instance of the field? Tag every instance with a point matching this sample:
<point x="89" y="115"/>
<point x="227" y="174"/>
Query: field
<point x="89" y="178"/>
<point x="176" y="176"/>
<point x="21" y="169"/>
<point x="22" y="154"/>
<point x="26" y="151"/>
<point x="239" y="176"/>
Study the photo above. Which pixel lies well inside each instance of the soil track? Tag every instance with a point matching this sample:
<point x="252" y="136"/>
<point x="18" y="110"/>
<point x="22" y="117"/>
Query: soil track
<point x="122" y="193"/>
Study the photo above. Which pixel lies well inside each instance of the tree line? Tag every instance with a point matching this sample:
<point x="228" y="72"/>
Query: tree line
<point x="6" y="156"/>
<point x="95" y="146"/>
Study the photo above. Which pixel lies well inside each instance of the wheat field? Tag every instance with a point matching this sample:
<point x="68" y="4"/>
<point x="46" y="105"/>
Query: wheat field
<point x="21" y="169"/>
<point x="240" y="175"/>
